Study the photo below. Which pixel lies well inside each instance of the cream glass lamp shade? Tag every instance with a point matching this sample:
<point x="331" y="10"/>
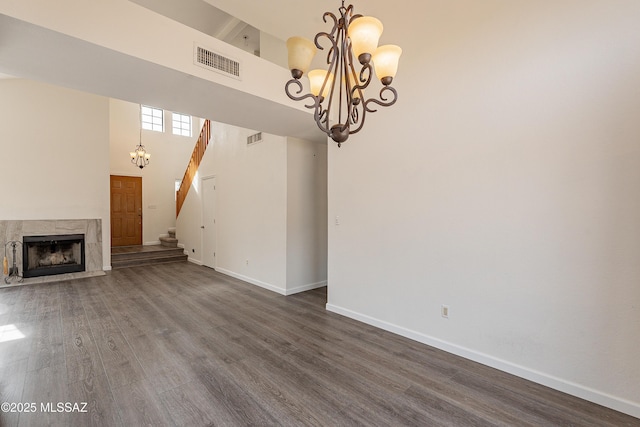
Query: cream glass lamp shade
<point x="364" y="33"/>
<point x="133" y="154"/>
<point x="301" y="53"/>
<point x="316" y="79"/>
<point x="385" y="60"/>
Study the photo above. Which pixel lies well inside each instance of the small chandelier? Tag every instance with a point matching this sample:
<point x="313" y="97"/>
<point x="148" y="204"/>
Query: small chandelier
<point x="351" y="36"/>
<point x="139" y="156"/>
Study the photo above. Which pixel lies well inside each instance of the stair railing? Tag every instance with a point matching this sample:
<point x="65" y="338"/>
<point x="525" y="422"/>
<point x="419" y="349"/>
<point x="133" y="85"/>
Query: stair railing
<point x="194" y="164"/>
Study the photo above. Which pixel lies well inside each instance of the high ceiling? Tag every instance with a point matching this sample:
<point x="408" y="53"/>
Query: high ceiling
<point x="37" y="53"/>
<point x="286" y="18"/>
<point x="208" y="19"/>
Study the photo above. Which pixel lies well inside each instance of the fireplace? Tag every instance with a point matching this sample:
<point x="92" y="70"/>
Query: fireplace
<point x="49" y="255"/>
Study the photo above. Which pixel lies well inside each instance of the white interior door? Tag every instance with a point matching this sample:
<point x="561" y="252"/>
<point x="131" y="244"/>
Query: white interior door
<point x="209" y="221"/>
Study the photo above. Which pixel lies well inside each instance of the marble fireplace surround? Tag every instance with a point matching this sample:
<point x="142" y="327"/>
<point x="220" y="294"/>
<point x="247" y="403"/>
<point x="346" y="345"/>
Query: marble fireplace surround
<point x="91" y="228"/>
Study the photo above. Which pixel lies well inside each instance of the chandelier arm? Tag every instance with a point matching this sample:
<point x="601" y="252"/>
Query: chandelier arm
<point x="355" y="85"/>
<point x="330" y="35"/>
<point x="355" y="116"/>
<point x="332" y="40"/>
<point x="324" y="113"/>
<point x="358" y="118"/>
<point x="334" y="18"/>
<point x="347" y="14"/>
<point x="368" y="69"/>
<point x="331" y="54"/>
<point x="321" y="116"/>
<point x="297" y="83"/>
<point x="363" y="82"/>
<point x="383" y="101"/>
<point x="299" y="90"/>
<point x="341" y="76"/>
<point x="359" y="85"/>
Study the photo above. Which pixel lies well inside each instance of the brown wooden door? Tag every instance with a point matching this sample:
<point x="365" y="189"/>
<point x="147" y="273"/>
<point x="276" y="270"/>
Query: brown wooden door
<point x="126" y="210"/>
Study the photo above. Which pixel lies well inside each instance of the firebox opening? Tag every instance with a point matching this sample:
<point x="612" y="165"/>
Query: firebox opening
<point x="57" y="254"/>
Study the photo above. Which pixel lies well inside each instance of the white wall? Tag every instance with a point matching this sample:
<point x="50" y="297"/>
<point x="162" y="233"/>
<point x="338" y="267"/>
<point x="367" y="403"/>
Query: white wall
<point x="169" y="159"/>
<point x="505" y="183"/>
<point x="196" y="14"/>
<point x="273" y="49"/>
<point x="54" y="155"/>
<point x="306" y="215"/>
<point x="270" y="210"/>
<point x="251" y="187"/>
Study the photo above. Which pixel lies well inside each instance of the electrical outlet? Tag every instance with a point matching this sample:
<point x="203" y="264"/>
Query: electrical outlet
<point x="444" y="311"/>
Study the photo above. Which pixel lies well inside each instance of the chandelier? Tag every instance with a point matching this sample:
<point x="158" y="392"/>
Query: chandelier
<point x="341" y="86"/>
<point x="139" y="156"/>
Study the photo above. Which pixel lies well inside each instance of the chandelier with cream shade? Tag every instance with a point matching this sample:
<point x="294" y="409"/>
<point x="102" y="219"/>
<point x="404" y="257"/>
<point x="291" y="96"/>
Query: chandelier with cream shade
<point x="139" y="156"/>
<point x="341" y="86"/>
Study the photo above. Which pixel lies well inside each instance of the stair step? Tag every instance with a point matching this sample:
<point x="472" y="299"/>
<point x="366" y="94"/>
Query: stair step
<point x="139" y="252"/>
<point x="135" y="262"/>
<point x="133" y="256"/>
<point x="169" y="242"/>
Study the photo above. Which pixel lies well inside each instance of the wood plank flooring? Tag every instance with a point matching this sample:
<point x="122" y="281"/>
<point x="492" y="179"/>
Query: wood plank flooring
<point x="182" y="345"/>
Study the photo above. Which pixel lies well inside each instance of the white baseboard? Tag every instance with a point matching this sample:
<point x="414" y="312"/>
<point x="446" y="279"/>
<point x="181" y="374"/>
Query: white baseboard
<point x="304" y="288"/>
<point x="151" y="243"/>
<point x="271" y="287"/>
<point x="578" y="390"/>
<point x="253" y="281"/>
<point x="181" y="245"/>
<point x="106" y="268"/>
<point x="194" y="261"/>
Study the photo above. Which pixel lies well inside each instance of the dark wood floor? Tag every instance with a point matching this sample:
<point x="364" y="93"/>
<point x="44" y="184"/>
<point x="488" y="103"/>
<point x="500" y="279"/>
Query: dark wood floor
<point x="178" y="344"/>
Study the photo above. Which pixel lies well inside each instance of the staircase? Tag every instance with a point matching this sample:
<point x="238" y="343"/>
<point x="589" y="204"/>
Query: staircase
<point x="194" y="164"/>
<point x="134" y="256"/>
<point x="167" y="250"/>
<point x="169" y="241"/>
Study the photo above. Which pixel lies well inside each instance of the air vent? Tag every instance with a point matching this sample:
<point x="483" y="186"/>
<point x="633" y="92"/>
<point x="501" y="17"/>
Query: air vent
<point x="254" y="139"/>
<point x="216" y="62"/>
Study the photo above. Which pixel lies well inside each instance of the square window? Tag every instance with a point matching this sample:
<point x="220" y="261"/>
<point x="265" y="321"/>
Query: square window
<point x="152" y="118"/>
<point x="181" y="124"/>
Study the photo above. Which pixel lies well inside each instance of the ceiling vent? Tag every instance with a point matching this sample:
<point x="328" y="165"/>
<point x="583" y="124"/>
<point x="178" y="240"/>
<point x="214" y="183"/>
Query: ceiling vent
<point x="254" y="139"/>
<point x="216" y="62"/>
